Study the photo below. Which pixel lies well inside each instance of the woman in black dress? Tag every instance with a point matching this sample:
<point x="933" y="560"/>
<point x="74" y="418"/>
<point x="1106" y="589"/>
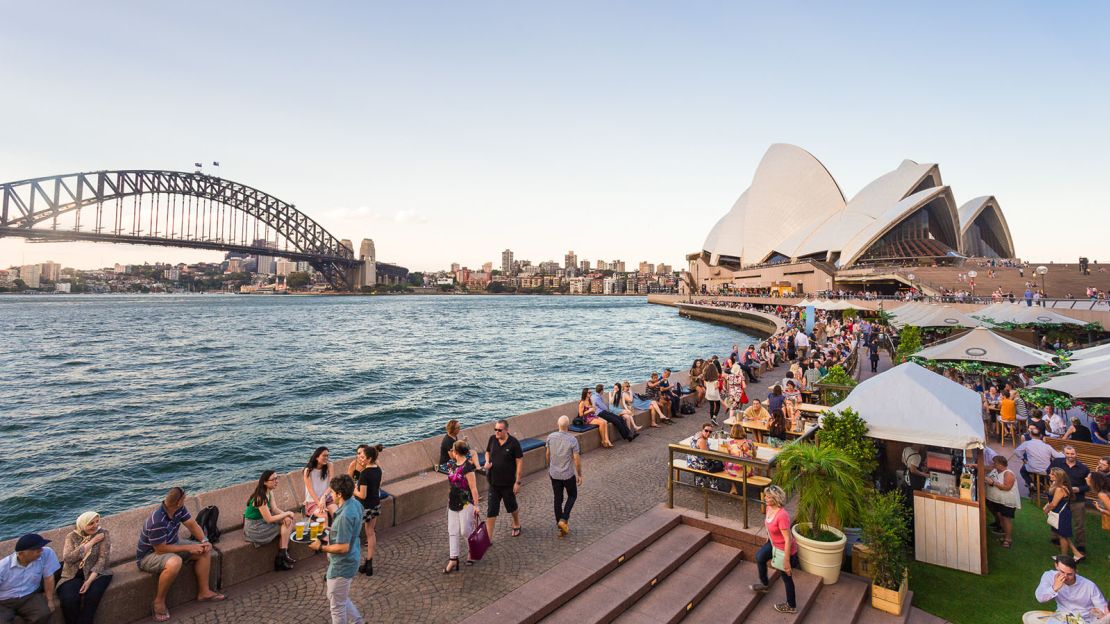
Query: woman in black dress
<point x="368" y="492"/>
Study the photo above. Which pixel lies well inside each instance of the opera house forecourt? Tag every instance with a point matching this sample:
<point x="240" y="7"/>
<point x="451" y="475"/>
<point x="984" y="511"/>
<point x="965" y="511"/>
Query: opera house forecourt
<point x="793" y="231"/>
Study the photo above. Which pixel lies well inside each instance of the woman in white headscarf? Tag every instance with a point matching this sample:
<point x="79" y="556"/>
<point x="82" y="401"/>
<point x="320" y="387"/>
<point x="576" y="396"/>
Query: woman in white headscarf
<point x="85" y="571"/>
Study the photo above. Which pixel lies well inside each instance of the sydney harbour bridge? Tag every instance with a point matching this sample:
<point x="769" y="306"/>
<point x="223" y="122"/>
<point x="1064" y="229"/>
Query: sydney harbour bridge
<point x="172" y="209"/>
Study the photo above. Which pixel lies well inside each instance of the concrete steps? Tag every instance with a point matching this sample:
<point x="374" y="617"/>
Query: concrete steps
<point x="670" y="600"/>
<point x="619" y="590"/>
<point x="665" y="568"/>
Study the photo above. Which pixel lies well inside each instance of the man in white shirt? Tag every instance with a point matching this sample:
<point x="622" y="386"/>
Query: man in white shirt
<point x="1057" y="426"/>
<point x="801" y="343"/>
<point x="1072" y="593"/>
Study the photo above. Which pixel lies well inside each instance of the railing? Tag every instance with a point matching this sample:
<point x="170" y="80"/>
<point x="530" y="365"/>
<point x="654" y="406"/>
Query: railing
<point x="749" y="466"/>
<point x="1057" y="304"/>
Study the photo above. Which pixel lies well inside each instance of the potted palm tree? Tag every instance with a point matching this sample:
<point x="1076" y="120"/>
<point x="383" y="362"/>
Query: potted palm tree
<point x="886" y="531"/>
<point x="827" y="482"/>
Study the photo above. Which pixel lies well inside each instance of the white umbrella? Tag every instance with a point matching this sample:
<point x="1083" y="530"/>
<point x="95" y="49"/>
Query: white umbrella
<point x="1092" y="385"/>
<point x="983" y="345"/>
<point x="1023" y="314"/>
<point x="1089" y="364"/>
<point x="941" y="316"/>
<point x="1091" y="352"/>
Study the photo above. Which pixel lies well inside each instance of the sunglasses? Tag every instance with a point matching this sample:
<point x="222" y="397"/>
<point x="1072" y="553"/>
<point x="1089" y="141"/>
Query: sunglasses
<point x="707" y="431"/>
<point x="498" y="430"/>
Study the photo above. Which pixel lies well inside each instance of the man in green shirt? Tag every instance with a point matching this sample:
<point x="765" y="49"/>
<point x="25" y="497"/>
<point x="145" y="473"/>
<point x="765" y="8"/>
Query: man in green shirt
<point x="343" y="551"/>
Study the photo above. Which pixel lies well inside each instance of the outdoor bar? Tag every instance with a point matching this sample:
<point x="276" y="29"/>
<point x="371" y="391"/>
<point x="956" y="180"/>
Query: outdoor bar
<point x="936" y="424"/>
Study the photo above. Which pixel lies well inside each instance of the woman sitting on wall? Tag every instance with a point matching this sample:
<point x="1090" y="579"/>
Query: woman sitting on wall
<point x="263" y="521"/>
<point x="85" y="570"/>
<point x="586" y="413"/>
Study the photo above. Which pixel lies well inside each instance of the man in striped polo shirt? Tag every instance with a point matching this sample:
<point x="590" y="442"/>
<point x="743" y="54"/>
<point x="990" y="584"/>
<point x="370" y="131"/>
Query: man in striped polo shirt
<point x="161" y="552"/>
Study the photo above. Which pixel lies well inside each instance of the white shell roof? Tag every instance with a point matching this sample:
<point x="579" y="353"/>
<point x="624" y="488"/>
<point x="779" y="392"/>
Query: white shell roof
<point x="971" y="210"/>
<point x="794" y="207"/>
<point x="791" y="190"/>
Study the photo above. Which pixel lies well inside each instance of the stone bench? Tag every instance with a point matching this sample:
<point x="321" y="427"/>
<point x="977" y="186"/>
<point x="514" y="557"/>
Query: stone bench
<point x="131" y="592"/>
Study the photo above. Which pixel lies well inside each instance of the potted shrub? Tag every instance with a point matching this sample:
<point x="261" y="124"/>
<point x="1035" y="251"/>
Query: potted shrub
<point x="886" y="532"/>
<point x="847" y="431"/>
<point x="829" y="487"/>
<point x="835" y="385"/>
<point x="909" y="342"/>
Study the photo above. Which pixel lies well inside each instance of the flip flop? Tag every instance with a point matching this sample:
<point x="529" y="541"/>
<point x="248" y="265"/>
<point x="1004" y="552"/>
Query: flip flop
<point x="162" y="617"/>
<point x="516" y="531"/>
<point x="213" y="598"/>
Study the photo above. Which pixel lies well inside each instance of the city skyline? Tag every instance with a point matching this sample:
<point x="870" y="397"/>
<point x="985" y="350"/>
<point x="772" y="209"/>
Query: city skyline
<point x="434" y="142"/>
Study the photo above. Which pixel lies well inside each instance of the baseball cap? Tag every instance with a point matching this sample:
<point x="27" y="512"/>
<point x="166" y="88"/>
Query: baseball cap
<point x="30" y="541"/>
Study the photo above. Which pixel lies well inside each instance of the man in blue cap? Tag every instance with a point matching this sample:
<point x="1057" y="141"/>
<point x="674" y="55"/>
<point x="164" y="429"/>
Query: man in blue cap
<point x="20" y="575"/>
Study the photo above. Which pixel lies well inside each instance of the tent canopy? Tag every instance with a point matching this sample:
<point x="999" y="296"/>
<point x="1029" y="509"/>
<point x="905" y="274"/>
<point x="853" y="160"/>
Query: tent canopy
<point x="910" y="403"/>
<point x="983" y="345"/>
<point x="939" y="316"/>
<point x="1021" y="314"/>
<point x="1091" y="385"/>
<point x="1091" y="352"/>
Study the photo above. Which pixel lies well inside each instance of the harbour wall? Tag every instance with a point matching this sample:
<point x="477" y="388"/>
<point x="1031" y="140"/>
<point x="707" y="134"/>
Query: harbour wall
<point x="411" y="488"/>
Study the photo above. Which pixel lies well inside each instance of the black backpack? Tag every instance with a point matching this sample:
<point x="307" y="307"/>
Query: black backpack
<point x="209" y="520"/>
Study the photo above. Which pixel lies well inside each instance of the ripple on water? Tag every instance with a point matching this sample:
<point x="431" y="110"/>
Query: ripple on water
<point x="208" y="391"/>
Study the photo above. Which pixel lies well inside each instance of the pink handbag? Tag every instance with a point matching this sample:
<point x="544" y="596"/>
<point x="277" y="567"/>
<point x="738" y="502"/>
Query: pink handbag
<point x="478" y="542"/>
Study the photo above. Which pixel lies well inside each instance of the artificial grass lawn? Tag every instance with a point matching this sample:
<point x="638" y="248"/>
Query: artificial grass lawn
<point x="1007" y="592"/>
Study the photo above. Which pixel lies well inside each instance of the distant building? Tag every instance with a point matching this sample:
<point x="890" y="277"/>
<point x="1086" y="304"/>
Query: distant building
<point x="602" y="265"/>
<point x="549" y="267"/>
<point x="579" y="285"/>
<point x="507" y="262"/>
<point x="613" y="286"/>
<point x="61" y="287"/>
<point x="31" y="274"/>
<point x="487" y="267"/>
<point x="647" y="268"/>
<point x="617" y="265"/>
<point x="171" y="274"/>
<point x="664" y="269"/>
<point x="584" y="266"/>
<point x="597" y="286"/>
<point x="285" y="267"/>
<point x="570" y="261"/>
<point x="50" y="271"/>
<point x="234" y="265"/>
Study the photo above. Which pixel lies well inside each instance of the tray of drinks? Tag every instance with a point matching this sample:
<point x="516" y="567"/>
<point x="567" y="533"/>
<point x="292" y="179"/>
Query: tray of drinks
<point x="305" y="532"/>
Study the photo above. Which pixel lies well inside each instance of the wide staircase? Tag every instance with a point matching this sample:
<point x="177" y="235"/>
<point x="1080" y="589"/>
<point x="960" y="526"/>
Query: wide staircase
<point x="1060" y="280"/>
<point x="667" y="566"/>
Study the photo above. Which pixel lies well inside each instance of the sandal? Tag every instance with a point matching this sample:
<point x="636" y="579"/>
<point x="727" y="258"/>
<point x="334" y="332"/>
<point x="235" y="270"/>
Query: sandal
<point x="449" y="569"/>
<point x="164" y="616"/>
<point x="1007" y="543"/>
<point x="470" y="562"/>
<point x="516" y="532"/>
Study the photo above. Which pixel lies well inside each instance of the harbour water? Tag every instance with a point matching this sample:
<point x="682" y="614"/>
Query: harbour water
<point x="107" y="401"/>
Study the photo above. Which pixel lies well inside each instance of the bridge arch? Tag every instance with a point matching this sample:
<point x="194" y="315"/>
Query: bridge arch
<point x="184" y="210"/>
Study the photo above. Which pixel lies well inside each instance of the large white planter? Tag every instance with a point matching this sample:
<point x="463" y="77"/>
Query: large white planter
<point x="821" y="558"/>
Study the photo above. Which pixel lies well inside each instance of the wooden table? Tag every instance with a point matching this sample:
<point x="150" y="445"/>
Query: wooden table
<point x="812" y="408"/>
<point x="762" y="451"/>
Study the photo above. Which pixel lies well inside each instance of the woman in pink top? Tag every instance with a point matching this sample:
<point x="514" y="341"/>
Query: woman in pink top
<point x="777" y="524"/>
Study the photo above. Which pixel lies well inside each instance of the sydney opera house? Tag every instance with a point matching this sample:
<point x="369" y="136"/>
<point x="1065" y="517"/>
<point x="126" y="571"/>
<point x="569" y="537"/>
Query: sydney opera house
<point x="793" y="229"/>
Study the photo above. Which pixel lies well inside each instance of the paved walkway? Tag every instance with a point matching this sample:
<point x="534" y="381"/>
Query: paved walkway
<point x="408" y="584"/>
<point x="863" y="369"/>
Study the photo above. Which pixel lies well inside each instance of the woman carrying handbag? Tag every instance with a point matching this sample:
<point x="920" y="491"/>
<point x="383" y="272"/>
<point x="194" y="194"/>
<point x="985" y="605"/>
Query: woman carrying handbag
<point x="1059" y="512"/>
<point x="462" y="504"/>
<point x="775" y="550"/>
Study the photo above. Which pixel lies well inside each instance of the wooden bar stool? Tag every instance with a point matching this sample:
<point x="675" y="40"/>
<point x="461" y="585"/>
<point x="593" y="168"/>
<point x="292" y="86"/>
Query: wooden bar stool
<point x="1008" y="427"/>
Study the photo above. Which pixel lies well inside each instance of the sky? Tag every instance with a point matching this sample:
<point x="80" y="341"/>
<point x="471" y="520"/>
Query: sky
<point x="450" y="131"/>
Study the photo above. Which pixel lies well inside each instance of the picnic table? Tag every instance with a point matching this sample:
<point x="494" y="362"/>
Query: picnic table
<point x="745" y="472"/>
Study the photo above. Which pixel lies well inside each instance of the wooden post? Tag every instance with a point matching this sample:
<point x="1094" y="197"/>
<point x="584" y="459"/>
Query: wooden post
<point x="981" y="490"/>
<point x="670" y="478"/>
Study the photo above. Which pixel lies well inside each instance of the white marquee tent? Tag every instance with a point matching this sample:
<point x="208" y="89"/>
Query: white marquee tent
<point x="910" y="403"/>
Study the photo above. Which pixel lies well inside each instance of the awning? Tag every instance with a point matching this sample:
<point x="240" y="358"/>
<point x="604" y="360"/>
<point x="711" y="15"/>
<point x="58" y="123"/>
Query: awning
<point x="983" y="345"/>
<point x="910" y="403"/>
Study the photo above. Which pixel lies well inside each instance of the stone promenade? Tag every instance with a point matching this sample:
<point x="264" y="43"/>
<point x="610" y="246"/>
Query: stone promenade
<point x="408" y="584"/>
